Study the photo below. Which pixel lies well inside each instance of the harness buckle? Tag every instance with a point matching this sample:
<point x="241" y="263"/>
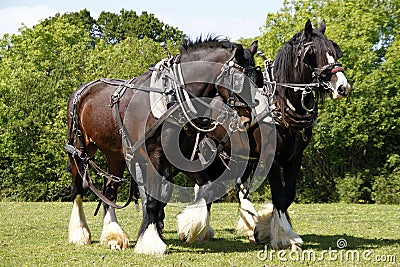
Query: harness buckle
<point x="221" y="117"/>
<point x="233" y="125"/>
<point x="231" y="101"/>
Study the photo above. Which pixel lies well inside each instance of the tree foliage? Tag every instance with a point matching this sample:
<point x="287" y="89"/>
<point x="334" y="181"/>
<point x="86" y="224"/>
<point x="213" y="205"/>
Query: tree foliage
<point x="354" y="154"/>
<point x="40" y="69"/>
<point x="114" y="28"/>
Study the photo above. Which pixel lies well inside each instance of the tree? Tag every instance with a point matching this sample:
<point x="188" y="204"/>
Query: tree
<point x="37" y="66"/>
<point x="114" y="28"/>
<point x="40" y="69"/>
<point x="355" y="144"/>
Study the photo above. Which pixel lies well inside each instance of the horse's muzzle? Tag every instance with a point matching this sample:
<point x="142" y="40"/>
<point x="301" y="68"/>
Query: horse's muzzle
<point x="342" y="90"/>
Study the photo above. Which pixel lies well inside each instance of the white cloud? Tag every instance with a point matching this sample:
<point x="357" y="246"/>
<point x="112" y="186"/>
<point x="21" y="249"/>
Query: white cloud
<point x="12" y="18"/>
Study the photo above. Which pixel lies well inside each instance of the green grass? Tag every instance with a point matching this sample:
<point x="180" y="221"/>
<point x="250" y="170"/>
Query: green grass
<point x="35" y="234"/>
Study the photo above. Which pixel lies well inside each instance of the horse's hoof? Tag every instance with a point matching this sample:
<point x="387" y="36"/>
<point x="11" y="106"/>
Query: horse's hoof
<point x="182" y="237"/>
<point x="115" y="241"/>
<point x="252" y="239"/>
<point x="206" y="236"/>
<point x="292" y="247"/>
<point x="296" y="247"/>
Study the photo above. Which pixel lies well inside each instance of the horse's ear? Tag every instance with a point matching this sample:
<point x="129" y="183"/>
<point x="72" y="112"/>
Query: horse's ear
<point x="308" y="28"/>
<point x="239" y="53"/>
<point x="253" y="47"/>
<point x="339" y="52"/>
<point x="322" y="27"/>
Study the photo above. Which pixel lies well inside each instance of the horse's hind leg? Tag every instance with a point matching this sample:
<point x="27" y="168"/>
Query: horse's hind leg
<point x="149" y="238"/>
<point x="247" y="215"/>
<point x="78" y="230"/>
<point x="113" y="236"/>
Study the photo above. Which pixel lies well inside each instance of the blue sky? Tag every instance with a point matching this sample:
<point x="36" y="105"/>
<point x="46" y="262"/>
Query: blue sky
<point x="233" y="18"/>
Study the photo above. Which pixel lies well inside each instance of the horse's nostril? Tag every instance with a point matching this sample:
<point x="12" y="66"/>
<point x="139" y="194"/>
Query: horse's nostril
<point x="342" y="90"/>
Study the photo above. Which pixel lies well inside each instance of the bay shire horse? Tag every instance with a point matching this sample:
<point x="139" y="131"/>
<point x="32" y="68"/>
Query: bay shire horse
<point x="131" y="132"/>
<point x="302" y="73"/>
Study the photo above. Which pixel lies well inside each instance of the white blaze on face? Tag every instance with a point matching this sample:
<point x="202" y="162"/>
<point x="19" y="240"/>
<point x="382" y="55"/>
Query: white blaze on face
<point x="338" y="80"/>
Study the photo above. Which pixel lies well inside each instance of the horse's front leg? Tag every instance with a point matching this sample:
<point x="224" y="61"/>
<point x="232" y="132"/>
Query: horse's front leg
<point x="149" y="238"/>
<point x="112" y="235"/>
<point x="194" y="220"/>
<point x="264" y="149"/>
<point x="273" y="223"/>
<point x="78" y="230"/>
<point x="247" y="213"/>
<point x="207" y="234"/>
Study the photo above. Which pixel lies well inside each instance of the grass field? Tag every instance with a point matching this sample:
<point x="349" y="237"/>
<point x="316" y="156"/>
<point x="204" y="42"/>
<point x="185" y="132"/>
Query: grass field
<point x="35" y="234"/>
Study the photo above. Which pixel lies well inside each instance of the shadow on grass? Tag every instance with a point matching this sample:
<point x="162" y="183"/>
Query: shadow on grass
<point x="313" y="241"/>
<point x="218" y="245"/>
<point x="241" y="244"/>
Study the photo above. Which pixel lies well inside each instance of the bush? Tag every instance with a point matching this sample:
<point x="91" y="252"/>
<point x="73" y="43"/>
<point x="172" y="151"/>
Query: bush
<point x="386" y="187"/>
<point x="354" y="188"/>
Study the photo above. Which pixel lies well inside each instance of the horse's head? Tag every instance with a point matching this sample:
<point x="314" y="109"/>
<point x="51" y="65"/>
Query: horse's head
<point x="217" y="66"/>
<point x="311" y="58"/>
<point x="320" y="54"/>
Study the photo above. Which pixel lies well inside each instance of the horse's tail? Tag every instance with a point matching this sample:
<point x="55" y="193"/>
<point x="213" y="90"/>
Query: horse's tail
<point x="71" y="109"/>
<point x="70" y="132"/>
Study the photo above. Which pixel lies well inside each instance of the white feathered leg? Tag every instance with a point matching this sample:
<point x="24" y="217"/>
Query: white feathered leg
<point x="113" y="236"/>
<point x="282" y="235"/>
<point x="262" y="231"/>
<point x="78" y="230"/>
<point x="247" y="216"/>
<point x="150" y="242"/>
<point x="207" y="234"/>
<point x="193" y="221"/>
<point x="274" y="226"/>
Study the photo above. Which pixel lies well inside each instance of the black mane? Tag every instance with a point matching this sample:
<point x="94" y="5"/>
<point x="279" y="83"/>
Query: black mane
<point x="209" y="41"/>
<point x="287" y="56"/>
<point x="288" y="67"/>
